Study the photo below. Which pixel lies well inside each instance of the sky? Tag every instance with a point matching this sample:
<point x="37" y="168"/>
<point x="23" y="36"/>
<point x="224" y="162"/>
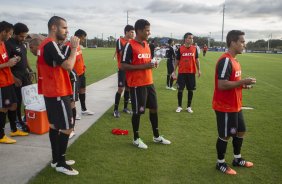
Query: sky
<point x="259" y="19"/>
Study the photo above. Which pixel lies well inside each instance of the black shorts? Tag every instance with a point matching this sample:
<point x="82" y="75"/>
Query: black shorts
<point x="170" y="67"/>
<point x="81" y="81"/>
<point x="121" y="79"/>
<point x="186" y="79"/>
<point x="23" y="76"/>
<point x="74" y="85"/>
<point x="7" y="96"/>
<point x="230" y="123"/>
<point x="143" y="97"/>
<point x="59" y="112"/>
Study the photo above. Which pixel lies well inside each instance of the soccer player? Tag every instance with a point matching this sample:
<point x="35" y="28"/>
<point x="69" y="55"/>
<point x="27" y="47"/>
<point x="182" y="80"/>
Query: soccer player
<point x="33" y="45"/>
<point x="16" y="47"/>
<point x="8" y="99"/>
<point x="128" y="35"/>
<point x="54" y="83"/>
<point x="227" y="102"/>
<point x="152" y="48"/>
<point x="205" y="49"/>
<point x="198" y="49"/>
<point x="80" y="69"/>
<point x="170" y="54"/>
<point x="136" y="61"/>
<point x="188" y="63"/>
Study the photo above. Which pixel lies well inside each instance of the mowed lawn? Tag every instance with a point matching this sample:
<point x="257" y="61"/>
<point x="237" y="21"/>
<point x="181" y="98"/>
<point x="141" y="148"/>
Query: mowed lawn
<point x="105" y="158"/>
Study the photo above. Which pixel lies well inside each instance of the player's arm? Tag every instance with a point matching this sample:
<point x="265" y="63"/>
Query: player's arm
<point x="176" y="62"/>
<point x="127" y="59"/>
<point x="224" y="71"/>
<point x="54" y="56"/>
<point x="198" y="64"/>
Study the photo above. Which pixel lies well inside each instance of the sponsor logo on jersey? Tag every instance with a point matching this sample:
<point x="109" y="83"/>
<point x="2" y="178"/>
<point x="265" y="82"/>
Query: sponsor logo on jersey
<point x="4" y="55"/>
<point x="188" y="54"/>
<point x="238" y="73"/>
<point x="144" y="56"/>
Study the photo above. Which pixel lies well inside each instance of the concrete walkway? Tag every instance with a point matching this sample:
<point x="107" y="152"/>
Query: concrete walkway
<point x="23" y="160"/>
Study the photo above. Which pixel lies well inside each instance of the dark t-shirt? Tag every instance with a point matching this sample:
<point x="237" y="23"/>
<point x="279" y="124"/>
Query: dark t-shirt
<point x="14" y="48"/>
<point x="53" y="54"/>
<point x="170" y="54"/>
<point x="152" y="48"/>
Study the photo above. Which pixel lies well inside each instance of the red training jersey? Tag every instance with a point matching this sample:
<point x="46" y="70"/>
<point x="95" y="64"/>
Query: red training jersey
<point x="227" y="100"/>
<point x="6" y="76"/>
<point x="187" y="60"/>
<point x="52" y="81"/>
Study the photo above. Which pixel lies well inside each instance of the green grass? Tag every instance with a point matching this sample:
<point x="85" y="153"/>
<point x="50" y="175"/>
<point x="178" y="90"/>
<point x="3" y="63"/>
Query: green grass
<point x="105" y="158"/>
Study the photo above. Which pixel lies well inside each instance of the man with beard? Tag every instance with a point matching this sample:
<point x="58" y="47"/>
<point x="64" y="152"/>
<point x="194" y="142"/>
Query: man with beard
<point x="54" y="83"/>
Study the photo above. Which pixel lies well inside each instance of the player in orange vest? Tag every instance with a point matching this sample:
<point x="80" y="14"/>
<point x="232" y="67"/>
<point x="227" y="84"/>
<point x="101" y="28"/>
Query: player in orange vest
<point x="205" y="49"/>
<point x="227" y="102"/>
<point x="187" y="60"/>
<point x="80" y="69"/>
<point x="136" y="61"/>
<point x="54" y="83"/>
<point x="122" y="84"/>
<point x="8" y="99"/>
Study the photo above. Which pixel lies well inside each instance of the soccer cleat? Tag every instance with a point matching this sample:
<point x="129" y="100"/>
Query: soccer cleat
<point x="189" y="109"/>
<point x="127" y="111"/>
<point x="172" y="88"/>
<point x="78" y="117"/>
<point x="179" y="109"/>
<point x="240" y="162"/>
<point x="66" y="169"/>
<point x="116" y="114"/>
<point x="223" y="167"/>
<point x="7" y="140"/>
<point x="87" y="112"/>
<point x="167" y="87"/>
<point x="161" y="140"/>
<point x="68" y="162"/>
<point x="18" y="133"/>
<point x="140" y="144"/>
<point x="72" y="134"/>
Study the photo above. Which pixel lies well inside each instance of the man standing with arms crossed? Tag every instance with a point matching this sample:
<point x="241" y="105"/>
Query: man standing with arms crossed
<point x="187" y="60"/>
<point x="122" y="84"/>
<point x="54" y="83"/>
<point x="136" y="61"/>
<point x="227" y="102"/>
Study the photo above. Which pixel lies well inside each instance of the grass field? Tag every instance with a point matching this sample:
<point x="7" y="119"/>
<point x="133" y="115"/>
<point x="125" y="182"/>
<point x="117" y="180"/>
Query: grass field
<point x="104" y="158"/>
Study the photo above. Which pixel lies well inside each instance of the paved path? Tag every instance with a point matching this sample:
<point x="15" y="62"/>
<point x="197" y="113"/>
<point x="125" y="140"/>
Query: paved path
<point x="21" y="161"/>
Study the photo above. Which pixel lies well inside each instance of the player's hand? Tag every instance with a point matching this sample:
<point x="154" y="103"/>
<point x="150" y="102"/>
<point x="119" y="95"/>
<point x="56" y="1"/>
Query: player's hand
<point x="149" y="65"/>
<point x="13" y="61"/>
<point x="199" y="73"/>
<point x="250" y="81"/>
<point x="74" y="42"/>
<point x="173" y="75"/>
<point x="18" y="82"/>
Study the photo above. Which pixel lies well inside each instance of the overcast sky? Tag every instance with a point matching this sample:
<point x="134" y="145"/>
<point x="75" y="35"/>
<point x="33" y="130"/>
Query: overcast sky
<point x="258" y="18"/>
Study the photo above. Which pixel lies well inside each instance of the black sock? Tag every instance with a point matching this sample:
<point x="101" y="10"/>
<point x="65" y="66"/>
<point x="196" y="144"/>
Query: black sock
<point x="135" y="120"/>
<point x="12" y="115"/>
<point x="221" y="147"/>
<point x="74" y="115"/>
<point x="2" y="124"/>
<point x="117" y="99"/>
<point x="237" y="144"/>
<point x="54" y="138"/>
<point x="167" y="80"/>
<point x="154" y="123"/>
<point x="170" y="81"/>
<point x="63" y="145"/>
<point x="19" y="103"/>
<point x="179" y="96"/>
<point x="82" y="101"/>
<point x="190" y="96"/>
<point x="126" y="97"/>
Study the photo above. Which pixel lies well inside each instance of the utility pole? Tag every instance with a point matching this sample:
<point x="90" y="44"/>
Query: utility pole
<point x="209" y="40"/>
<point x="268" y="43"/>
<point x="127" y="17"/>
<point x="222" y="23"/>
